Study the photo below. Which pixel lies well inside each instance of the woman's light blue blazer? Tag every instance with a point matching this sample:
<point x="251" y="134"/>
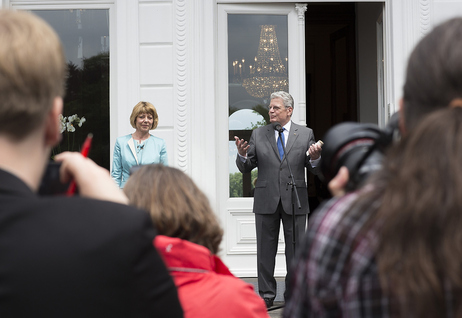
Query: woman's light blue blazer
<point x="124" y="158"/>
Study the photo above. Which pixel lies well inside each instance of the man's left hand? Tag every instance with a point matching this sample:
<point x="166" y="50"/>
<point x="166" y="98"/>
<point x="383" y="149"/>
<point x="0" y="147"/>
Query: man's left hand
<point x="315" y="151"/>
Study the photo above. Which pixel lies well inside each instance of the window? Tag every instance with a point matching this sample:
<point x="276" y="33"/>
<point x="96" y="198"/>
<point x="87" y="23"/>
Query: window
<point x="257" y="66"/>
<point x="85" y="37"/>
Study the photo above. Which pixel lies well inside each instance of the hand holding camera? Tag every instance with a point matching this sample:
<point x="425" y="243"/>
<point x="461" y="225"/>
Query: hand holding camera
<point x="358" y="147"/>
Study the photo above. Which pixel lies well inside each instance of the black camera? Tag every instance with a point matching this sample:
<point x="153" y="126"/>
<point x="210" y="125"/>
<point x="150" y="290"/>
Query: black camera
<point x="358" y="147"/>
<point x="50" y="184"/>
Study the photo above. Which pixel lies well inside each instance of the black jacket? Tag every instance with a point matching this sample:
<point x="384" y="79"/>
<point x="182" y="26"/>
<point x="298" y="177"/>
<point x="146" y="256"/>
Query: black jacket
<point x="77" y="257"/>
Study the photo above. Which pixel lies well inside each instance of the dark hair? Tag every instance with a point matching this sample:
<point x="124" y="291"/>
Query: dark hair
<point x="420" y="238"/>
<point x="434" y="72"/>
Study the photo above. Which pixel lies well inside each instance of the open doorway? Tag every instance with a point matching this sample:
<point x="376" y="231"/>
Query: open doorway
<point x="344" y="69"/>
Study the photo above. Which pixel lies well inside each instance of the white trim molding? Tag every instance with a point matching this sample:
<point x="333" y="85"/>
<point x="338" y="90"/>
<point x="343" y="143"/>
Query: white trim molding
<point x="181" y="85"/>
<point x="301" y="9"/>
<point x="425" y="17"/>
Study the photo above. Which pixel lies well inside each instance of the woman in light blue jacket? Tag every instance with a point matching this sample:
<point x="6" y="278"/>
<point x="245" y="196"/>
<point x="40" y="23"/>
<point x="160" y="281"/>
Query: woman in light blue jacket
<point x="140" y="147"/>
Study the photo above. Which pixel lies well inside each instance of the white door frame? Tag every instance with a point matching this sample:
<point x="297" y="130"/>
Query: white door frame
<point x="239" y="242"/>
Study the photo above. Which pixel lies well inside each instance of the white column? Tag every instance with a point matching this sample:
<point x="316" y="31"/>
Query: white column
<point x="301" y="9"/>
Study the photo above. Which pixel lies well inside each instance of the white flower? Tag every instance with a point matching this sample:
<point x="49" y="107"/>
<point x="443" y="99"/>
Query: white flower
<point x="70" y="127"/>
<point x="67" y="122"/>
<point x="72" y="118"/>
<point x="62" y="123"/>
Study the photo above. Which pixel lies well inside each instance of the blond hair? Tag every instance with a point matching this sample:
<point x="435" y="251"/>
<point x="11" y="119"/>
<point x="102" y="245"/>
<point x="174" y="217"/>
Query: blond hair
<point x="144" y="108"/>
<point x="32" y="72"/>
<point x="178" y="208"/>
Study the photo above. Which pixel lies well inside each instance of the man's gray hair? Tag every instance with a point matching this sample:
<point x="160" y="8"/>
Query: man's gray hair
<point x="286" y="98"/>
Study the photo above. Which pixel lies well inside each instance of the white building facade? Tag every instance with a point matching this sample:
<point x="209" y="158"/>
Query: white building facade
<point x="175" y="54"/>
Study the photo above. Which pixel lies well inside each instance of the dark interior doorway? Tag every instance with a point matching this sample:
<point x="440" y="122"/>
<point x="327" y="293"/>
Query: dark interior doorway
<point x="341" y="70"/>
<point x="330" y="65"/>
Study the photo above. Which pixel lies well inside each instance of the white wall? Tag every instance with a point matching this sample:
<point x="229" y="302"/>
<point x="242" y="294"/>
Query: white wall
<point x="156" y="66"/>
<point x="441" y="10"/>
<point x="366" y="18"/>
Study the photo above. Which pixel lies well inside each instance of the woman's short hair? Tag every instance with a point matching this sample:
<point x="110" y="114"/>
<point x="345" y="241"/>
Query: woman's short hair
<point x="178" y="208"/>
<point x="286" y="98"/>
<point x="144" y="108"/>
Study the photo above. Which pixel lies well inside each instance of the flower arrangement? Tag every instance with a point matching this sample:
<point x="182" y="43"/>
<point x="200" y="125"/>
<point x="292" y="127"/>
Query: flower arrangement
<point x="68" y="125"/>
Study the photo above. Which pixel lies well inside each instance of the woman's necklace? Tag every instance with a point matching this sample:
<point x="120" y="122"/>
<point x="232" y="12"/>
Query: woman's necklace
<point x="140" y="143"/>
<point x="140" y="146"/>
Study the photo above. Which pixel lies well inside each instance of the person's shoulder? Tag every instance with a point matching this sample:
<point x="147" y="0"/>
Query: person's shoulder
<point x="330" y="222"/>
<point x="118" y="215"/>
<point x="263" y="129"/>
<point x="337" y="227"/>
<point x="238" y="297"/>
<point x="156" y="139"/>
<point x="335" y="250"/>
<point x="123" y="138"/>
<point x="334" y="208"/>
<point x="301" y="127"/>
<point x="109" y="206"/>
<point x="328" y="237"/>
<point x="98" y="222"/>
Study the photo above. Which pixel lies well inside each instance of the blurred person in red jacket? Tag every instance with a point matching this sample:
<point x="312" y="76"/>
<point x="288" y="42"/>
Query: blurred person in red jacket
<point x="188" y="240"/>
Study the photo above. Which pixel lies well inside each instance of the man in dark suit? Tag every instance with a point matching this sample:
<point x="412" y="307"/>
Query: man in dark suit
<point x="273" y="195"/>
<point x="64" y="256"/>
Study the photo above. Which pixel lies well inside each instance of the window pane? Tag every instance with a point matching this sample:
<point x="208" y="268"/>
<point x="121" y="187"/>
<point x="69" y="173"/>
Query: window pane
<point x="85" y="37"/>
<point x="257" y="66"/>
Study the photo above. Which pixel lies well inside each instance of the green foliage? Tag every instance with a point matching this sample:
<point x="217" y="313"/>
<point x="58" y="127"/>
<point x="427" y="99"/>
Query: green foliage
<point x="254" y="175"/>
<point x="263" y="111"/>
<point x="256" y="125"/>
<point x="259" y="109"/>
<point x="232" y="110"/>
<point x="235" y="183"/>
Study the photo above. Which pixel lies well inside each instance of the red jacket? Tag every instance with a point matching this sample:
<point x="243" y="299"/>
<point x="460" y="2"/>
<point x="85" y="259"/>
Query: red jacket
<point x="206" y="287"/>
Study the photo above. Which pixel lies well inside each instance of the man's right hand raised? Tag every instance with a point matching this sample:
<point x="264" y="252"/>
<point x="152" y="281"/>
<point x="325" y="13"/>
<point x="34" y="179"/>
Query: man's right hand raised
<point x="242" y="146"/>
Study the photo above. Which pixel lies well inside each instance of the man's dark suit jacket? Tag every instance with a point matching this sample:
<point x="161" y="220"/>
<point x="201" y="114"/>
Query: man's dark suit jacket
<point x="273" y="174"/>
<point x="76" y="257"/>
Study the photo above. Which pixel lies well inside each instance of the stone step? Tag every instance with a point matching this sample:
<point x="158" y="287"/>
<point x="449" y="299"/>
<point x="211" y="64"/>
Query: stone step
<point x="280" y="286"/>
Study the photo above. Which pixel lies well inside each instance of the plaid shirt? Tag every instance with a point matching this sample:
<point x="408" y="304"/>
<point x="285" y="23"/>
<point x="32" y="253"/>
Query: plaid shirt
<point x="334" y="273"/>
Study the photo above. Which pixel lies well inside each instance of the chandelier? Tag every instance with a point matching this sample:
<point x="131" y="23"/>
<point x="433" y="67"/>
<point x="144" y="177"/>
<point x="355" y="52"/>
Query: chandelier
<point x="268" y="74"/>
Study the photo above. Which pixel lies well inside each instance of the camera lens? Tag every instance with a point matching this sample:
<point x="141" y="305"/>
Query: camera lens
<point x="348" y="144"/>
